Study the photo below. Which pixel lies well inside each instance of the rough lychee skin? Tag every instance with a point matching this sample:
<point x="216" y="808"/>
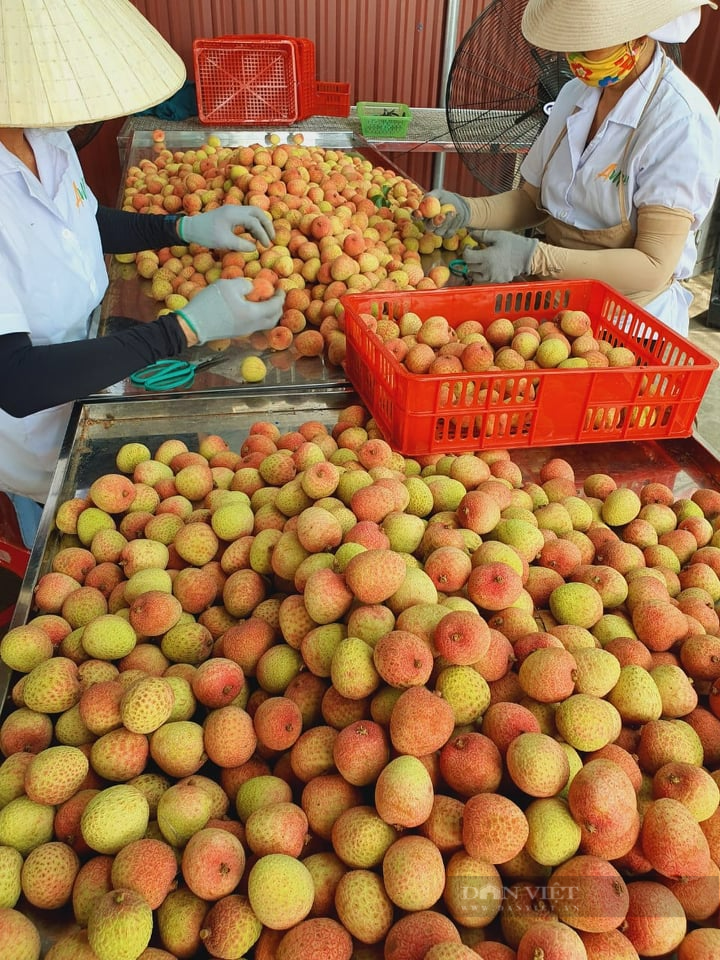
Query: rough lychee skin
<point x="259" y="790"/>
<point x="672" y="840"/>
<point x="701" y="944"/>
<point x="655" y="923"/>
<point x="316" y="937"/>
<point x="148" y="867"/>
<point x="83" y="605"/>
<point x="403" y="659"/>
<point x="26" y="731"/>
<point x="154" y="613"/>
<point x="147" y="704"/>
<point x="196" y="543"/>
<point x="177" y="748"/>
<point x="375" y="575"/>
<point x="360" y="837"/>
<point x="108" y="637"/>
<point x="361" y="751"/>
<point x="462" y="637"/>
<point x="120" y="925"/>
<point x="323" y="799"/>
<point x="404" y="792"/>
<point x="551" y="939"/>
<point x="278" y="723"/>
<point x="99" y="706"/>
<point x="471" y="763"/>
<point x="112" y="493"/>
<point x="363" y="906"/>
<point x="280" y="890"/>
<point x="413" y="873"/>
<point x="55" y="774"/>
<point x="327" y="596"/>
<point x="19" y="937"/>
<point x="115" y="817"/>
<point x="52" y="686"/>
<point x="242" y="592"/>
<point x="414" y="934"/>
<point x="48" y="875"/>
<point x="420" y="722"/>
<point x="277" y="828"/>
<point x="230" y="927"/>
<point x="494" y="828"/>
<point x="24" y="647"/>
<point x="537" y="764"/>
<point x="212" y="863"/>
<point x="119" y="755"/>
<point x="74" y="946"/>
<point x="217" y="682"/>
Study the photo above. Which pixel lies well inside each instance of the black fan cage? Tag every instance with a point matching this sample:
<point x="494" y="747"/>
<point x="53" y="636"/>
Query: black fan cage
<point x="498" y="94"/>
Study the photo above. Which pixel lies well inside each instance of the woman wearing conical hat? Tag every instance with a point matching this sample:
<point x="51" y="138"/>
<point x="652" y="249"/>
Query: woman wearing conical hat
<point x="65" y="63"/>
<point x="625" y="169"/>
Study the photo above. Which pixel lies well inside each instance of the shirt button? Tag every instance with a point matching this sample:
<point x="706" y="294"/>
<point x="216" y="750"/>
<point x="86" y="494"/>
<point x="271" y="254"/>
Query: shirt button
<point x="67" y="233"/>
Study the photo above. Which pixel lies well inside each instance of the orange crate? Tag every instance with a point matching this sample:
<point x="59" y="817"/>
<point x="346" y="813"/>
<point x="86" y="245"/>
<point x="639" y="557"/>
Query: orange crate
<point x="419" y="415"/>
<point x="257" y="80"/>
<point x="331" y="99"/>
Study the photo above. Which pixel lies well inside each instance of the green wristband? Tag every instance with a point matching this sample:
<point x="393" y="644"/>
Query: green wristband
<point x="189" y="322"/>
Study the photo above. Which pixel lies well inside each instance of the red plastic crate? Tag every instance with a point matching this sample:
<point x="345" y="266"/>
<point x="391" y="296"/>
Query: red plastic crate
<point x="262" y="79"/>
<point x="255" y="80"/>
<point x="423" y="414"/>
<point x="331" y="99"/>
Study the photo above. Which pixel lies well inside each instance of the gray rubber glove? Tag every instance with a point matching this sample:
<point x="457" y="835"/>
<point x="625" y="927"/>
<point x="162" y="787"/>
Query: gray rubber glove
<point x="453" y="221"/>
<point x="215" y="229"/>
<point x="220" y="310"/>
<point x="506" y="255"/>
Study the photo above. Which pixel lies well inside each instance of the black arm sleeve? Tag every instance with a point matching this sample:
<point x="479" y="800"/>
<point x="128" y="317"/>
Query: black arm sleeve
<point x="37" y="378"/>
<point x="125" y="232"/>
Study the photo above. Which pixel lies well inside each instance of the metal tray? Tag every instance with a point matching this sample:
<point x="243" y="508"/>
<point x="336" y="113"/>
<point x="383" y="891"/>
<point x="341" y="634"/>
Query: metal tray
<point x="97" y="430"/>
<point x="127" y="300"/>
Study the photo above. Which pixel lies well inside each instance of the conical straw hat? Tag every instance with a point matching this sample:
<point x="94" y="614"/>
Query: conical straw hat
<point x="568" y="25"/>
<point x="67" y="62"/>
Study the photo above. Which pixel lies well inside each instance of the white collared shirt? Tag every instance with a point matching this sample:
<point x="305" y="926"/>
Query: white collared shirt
<point x="52" y="275"/>
<point x="674" y="160"/>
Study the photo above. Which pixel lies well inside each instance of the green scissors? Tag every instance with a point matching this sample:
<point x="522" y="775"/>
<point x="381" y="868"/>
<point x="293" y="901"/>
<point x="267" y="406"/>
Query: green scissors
<point x="170" y="374"/>
<point x="459" y="268"/>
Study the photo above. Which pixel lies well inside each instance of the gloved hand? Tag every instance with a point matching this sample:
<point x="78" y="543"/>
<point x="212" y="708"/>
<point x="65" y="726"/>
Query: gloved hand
<point x="453" y="221"/>
<point x="214" y="229"/>
<point x="506" y="256"/>
<point x="221" y="310"/>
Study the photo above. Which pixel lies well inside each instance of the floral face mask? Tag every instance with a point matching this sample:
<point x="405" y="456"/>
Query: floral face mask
<point x="608" y="71"/>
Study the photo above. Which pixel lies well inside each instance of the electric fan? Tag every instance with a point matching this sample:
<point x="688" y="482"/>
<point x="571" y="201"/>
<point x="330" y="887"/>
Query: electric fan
<point x="499" y="92"/>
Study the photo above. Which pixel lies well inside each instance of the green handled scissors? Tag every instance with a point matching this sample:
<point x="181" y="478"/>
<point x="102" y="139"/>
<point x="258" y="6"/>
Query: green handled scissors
<point x="459" y="268"/>
<point x="170" y="374"/>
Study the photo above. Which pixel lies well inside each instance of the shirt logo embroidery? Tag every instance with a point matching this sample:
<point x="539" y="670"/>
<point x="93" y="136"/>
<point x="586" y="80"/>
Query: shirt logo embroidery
<point x="80" y="192"/>
<point x="613" y="175"/>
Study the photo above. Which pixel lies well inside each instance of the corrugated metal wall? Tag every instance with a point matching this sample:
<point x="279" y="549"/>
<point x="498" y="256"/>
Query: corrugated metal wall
<point x="701" y="56"/>
<point x="385" y="49"/>
<point x="388" y="50"/>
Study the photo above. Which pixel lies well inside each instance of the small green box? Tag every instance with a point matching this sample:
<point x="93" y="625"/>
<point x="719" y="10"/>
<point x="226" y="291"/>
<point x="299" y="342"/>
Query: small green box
<point x="378" y="120"/>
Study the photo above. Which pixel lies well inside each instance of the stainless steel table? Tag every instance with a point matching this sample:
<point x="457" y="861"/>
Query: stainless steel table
<point x="98" y="428"/>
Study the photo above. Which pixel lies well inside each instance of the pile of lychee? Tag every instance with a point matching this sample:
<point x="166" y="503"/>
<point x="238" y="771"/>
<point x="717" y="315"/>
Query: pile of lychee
<point x="312" y="699"/>
<point x="341" y="225"/>
<point x="434" y="345"/>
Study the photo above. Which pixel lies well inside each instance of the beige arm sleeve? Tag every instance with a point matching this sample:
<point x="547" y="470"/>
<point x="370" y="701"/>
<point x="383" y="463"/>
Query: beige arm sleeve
<point x="639" y="272"/>
<point x="512" y="210"/>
